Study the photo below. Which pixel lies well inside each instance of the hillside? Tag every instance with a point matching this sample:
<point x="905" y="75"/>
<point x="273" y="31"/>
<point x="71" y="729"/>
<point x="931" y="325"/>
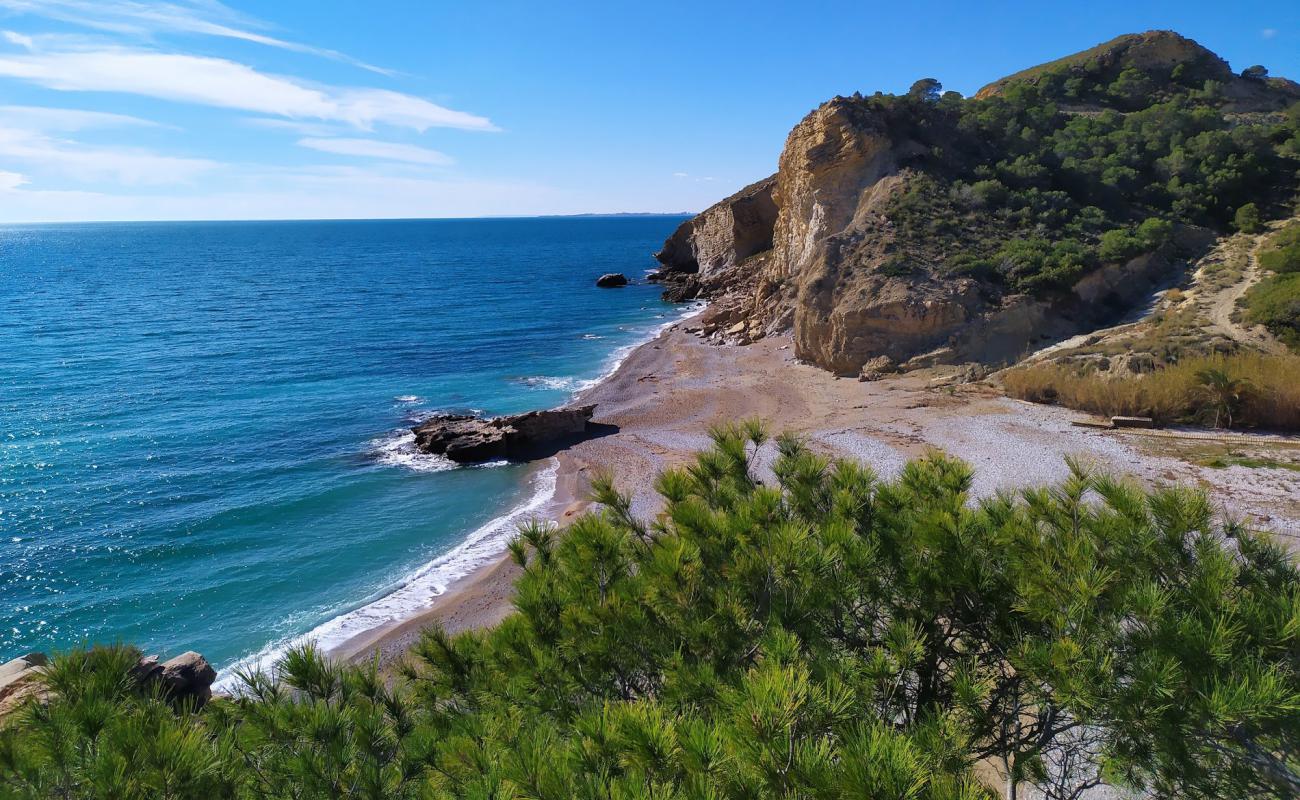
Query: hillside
<point x="931" y="228"/>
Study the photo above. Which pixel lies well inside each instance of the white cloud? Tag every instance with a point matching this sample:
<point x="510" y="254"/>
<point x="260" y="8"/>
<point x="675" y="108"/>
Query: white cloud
<point x="370" y="148"/>
<point x="13" y="37"/>
<point x="1268" y="33"/>
<point x="42" y="118"/>
<point x="145" y="19"/>
<point x="227" y="84"/>
<point x="322" y="194"/>
<point x="10" y="181"/>
<point x="681" y="174"/>
<point x="129" y="166"/>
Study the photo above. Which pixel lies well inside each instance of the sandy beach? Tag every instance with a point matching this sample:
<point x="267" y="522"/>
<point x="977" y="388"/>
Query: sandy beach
<point x="666" y="394"/>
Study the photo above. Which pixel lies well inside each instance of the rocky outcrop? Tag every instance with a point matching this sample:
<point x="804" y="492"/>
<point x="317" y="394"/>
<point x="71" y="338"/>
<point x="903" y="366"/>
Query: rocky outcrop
<point x="611" y="280"/>
<point x="701" y="256"/>
<point x="519" y="437"/>
<point x="20" y="680"/>
<point x="187" y="678"/>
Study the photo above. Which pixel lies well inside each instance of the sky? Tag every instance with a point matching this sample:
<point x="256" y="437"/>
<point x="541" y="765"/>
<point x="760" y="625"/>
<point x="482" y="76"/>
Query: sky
<point x="307" y="109"/>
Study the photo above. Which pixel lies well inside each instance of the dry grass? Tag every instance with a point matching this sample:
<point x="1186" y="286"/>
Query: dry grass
<point x="1269" y="390"/>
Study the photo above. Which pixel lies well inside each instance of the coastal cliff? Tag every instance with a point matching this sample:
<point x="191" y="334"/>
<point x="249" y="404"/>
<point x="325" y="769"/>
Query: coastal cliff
<point x="933" y="228"/>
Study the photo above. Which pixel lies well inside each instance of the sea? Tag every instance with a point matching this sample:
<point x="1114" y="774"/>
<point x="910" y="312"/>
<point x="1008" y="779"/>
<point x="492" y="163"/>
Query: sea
<point x="205" y="427"/>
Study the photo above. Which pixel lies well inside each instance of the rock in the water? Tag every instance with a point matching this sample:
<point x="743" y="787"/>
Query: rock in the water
<point x="611" y="280"/>
<point x="187" y="676"/>
<point x="465" y="439"/>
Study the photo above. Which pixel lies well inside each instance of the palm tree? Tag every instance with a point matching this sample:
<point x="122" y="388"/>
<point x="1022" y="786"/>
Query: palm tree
<point x="1221" y="395"/>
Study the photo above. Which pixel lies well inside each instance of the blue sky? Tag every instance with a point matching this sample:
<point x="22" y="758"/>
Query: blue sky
<point x="195" y="109"/>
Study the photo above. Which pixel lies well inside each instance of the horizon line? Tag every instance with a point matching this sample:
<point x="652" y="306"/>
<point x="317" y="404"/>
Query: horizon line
<point x="354" y="219"/>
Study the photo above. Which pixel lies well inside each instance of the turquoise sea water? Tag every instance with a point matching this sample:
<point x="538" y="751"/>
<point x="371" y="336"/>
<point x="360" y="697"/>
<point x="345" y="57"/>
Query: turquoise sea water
<point x="203" y="426"/>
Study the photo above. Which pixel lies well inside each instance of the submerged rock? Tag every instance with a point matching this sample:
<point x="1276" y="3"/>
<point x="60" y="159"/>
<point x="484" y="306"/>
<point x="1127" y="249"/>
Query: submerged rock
<point x="518" y="437"/>
<point x="611" y="280"/>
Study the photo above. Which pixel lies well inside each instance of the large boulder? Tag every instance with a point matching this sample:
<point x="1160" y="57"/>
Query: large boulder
<point x="611" y="280"/>
<point x="518" y="437"/>
<point x="188" y="676"/>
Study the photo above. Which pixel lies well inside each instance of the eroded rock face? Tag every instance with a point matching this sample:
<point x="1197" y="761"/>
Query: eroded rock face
<point x="20" y="680"/>
<point x="840" y="167"/>
<point x="519" y="437"/>
<point x="700" y="257"/>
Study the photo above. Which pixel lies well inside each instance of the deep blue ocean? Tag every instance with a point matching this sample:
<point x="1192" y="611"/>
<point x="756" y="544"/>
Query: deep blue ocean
<point x="203" y="426"/>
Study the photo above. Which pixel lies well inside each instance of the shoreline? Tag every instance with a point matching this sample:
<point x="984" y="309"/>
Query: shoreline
<point x="481" y="597"/>
<point x="434" y="583"/>
<point x="666" y="392"/>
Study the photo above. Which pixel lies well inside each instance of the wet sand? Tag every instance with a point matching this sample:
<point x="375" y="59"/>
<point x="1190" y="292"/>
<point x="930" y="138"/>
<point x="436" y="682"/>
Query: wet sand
<point x="667" y="393"/>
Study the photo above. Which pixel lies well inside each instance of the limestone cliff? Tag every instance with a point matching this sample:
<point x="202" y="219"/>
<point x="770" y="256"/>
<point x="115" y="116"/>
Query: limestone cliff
<point x="833" y="247"/>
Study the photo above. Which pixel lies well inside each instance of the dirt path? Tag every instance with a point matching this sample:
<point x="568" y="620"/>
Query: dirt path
<point x="1220" y="305"/>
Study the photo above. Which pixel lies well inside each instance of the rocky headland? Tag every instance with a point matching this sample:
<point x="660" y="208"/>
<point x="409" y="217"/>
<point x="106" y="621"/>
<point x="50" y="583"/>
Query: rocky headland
<point x="912" y="230"/>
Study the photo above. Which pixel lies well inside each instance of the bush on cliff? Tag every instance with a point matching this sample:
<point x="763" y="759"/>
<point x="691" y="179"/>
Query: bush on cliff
<point x="825" y="635"/>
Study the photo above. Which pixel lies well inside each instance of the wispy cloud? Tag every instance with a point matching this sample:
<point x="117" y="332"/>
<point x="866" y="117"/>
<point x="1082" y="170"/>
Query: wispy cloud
<point x="147" y="19"/>
<point x="88" y="163"/>
<point x="10" y="181"/>
<point x="1268" y="33"/>
<point x="371" y="148"/>
<point x="42" y="118"/>
<point x="228" y="84"/>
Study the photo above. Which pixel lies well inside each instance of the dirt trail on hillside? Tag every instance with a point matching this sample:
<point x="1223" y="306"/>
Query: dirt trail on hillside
<point x="1219" y="306"/>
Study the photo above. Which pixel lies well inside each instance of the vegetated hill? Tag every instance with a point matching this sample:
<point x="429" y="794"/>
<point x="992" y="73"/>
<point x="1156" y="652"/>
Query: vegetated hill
<point x="935" y="228"/>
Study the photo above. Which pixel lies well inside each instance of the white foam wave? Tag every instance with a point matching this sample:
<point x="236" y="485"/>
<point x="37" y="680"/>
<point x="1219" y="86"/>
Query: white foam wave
<point x="615" y="360"/>
<point x="408" y="398"/>
<point x="398" y="450"/>
<point x="413" y="593"/>
<point x="591" y="336"/>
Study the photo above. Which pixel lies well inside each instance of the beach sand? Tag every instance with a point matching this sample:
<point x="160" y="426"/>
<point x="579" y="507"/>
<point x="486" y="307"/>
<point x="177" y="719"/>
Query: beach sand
<point x="666" y="394"/>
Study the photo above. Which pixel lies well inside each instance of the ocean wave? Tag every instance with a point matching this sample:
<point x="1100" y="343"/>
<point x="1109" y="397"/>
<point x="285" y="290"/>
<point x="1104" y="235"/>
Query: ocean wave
<point x="410" y="595"/>
<point x="398" y="450"/>
<point x="408" y="398"/>
<point x="592" y="336"/>
<point x="563" y="384"/>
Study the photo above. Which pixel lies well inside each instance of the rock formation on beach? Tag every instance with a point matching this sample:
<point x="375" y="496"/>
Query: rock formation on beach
<point x="466" y="439"/>
<point x="929" y="228"/>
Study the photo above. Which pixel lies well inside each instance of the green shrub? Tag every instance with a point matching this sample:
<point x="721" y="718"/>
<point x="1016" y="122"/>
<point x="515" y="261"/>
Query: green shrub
<point x="1274" y="302"/>
<point x="826" y="634"/>
<point x="1281" y="252"/>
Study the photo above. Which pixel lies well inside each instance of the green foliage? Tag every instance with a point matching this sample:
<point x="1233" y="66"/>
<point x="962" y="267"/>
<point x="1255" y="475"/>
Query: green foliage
<point x="1281" y="252"/>
<point x="1274" y="302"/>
<point x="1024" y="166"/>
<point x="1248" y="219"/>
<point x="826" y="634"/>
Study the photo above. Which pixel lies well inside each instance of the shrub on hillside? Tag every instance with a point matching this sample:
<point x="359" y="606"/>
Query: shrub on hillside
<point x="823" y="635"/>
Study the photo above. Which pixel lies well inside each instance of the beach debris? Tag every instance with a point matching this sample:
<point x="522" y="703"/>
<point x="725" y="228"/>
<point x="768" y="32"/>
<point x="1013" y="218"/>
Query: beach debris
<point x="519" y="437"/>
<point x="1132" y="422"/>
<point x="611" y="280"/>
